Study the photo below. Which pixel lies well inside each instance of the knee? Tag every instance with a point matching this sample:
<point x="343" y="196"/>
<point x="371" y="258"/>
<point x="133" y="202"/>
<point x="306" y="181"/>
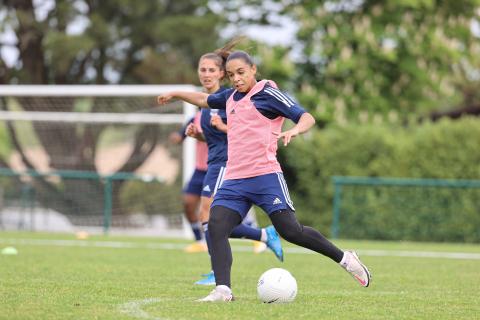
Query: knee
<point x="218" y="226"/>
<point x="214" y="225"/>
<point x="287" y="225"/>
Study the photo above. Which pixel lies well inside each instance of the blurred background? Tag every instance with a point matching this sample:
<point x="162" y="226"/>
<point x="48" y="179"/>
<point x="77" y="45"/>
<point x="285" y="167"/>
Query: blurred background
<point x="393" y="85"/>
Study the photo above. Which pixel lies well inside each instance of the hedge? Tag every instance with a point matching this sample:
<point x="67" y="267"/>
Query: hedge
<point x="443" y="150"/>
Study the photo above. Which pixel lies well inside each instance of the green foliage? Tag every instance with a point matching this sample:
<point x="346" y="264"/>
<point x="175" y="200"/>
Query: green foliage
<point x="382" y="57"/>
<point x="62" y="49"/>
<point x="370" y="59"/>
<point x="418" y="213"/>
<point x="109" y="41"/>
<point x="5" y="147"/>
<point x="151" y="198"/>
<point x="443" y="150"/>
<point x="272" y="61"/>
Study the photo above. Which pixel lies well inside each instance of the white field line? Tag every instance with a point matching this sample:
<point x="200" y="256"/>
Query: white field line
<point x="238" y="248"/>
<point x="134" y="308"/>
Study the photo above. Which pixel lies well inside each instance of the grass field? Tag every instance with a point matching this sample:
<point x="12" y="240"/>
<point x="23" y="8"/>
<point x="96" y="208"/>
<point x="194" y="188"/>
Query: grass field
<point x="58" y="277"/>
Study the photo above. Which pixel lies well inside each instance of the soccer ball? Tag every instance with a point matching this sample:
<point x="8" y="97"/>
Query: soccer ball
<point x="277" y="286"/>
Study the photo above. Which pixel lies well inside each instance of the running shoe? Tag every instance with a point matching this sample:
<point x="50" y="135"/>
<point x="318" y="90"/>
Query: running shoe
<point x="274" y="243"/>
<point x="352" y="264"/>
<point x="219" y="294"/>
<point x="209" y="280"/>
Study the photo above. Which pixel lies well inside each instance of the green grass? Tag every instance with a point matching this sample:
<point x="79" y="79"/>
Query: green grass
<point x="46" y="281"/>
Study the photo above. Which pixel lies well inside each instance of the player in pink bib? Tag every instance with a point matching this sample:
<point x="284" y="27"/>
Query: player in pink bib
<point x="255" y="113"/>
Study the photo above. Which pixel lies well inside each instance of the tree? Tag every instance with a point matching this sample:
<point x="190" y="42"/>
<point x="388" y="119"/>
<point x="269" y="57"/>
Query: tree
<point x="98" y="42"/>
<point x="394" y="58"/>
<point x="367" y="60"/>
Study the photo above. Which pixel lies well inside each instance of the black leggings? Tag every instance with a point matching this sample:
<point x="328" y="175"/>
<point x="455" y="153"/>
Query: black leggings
<point x="223" y="220"/>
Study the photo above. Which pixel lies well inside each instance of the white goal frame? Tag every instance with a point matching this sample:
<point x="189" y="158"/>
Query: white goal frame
<point x="189" y="110"/>
<point x="188" y="165"/>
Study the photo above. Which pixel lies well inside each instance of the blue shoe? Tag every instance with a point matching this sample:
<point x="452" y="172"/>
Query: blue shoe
<point x="273" y="242"/>
<point x="208" y="281"/>
<point x="207" y="274"/>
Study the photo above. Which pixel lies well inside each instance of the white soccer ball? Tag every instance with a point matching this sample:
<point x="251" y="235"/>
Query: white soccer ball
<point x="277" y="286"/>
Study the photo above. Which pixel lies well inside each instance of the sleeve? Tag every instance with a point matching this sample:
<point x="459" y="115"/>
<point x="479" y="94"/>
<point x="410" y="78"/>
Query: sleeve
<point x="219" y="100"/>
<point x="276" y="102"/>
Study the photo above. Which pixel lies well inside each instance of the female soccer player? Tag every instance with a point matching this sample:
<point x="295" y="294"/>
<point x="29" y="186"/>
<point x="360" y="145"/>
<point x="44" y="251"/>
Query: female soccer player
<point x="255" y="113"/>
<point x="212" y="129"/>
<point x="193" y="189"/>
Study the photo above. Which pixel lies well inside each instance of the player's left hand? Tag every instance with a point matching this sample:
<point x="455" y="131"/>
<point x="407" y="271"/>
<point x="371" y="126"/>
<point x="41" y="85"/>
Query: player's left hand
<point x="287" y="135"/>
<point x="218" y="123"/>
<point x="216" y="120"/>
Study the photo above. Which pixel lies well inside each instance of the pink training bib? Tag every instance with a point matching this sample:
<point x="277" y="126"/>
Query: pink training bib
<point x="252" y="146"/>
<point x="201" y="153"/>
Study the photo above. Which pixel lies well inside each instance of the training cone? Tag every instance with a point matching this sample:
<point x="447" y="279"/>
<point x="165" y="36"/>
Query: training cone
<point x="9" y="251"/>
<point x="82" y="235"/>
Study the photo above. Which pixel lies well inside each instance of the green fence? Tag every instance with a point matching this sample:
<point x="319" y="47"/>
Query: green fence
<point x="406" y="209"/>
<point x="88" y="198"/>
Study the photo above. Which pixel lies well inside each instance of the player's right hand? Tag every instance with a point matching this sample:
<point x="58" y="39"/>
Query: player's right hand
<point x="175" y="138"/>
<point x="164" y="98"/>
<point x="191" y="130"/>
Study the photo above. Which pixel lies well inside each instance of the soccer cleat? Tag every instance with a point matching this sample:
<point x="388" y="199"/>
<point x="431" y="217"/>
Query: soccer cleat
<point x="209" y="280"/>
<point x="352" y="264"/>
<point x="207" y="274"/>
<point x="198" y="246"/>
<point x="274" y="243"/>
<point x="219" y="294"/>
<point x="259" y="246"/>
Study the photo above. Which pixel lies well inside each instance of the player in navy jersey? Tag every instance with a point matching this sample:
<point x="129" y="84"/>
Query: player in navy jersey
<point x="193" y="190"/>
<point x="255" y="113"/>
<point x="210" y="72"/>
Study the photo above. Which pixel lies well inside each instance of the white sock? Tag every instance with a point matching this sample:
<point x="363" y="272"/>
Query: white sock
<point x="263" y="238"/>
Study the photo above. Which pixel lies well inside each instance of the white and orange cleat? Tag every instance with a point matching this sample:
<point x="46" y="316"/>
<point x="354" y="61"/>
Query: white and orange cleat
<point x="219" y="294"/>
<point x="259" y="246"/>
<point x="198" y="246"/>
<point x="352" y="264"/>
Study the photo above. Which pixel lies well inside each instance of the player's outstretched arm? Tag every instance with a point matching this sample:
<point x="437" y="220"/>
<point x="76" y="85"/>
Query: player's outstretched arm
<point x="196" y="98"/>
<point x="304" y="124"/>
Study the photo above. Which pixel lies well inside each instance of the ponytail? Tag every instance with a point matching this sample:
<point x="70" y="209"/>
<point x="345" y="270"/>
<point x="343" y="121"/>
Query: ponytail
<point x="221" y="55"/>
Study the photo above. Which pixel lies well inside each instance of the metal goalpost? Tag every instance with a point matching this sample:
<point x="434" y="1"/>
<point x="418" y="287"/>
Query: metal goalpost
<point x="31" y="114"/>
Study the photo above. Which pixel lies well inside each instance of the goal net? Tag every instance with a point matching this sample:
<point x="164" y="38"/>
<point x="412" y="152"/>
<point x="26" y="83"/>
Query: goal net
<point x="93" y="158"/>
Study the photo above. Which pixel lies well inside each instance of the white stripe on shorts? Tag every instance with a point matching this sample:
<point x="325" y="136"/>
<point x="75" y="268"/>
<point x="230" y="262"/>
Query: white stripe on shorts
<point x="221" y="174"/>
<point x="284" y="187"/>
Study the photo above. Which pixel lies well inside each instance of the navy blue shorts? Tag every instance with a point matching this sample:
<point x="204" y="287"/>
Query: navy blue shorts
<point x="194" y="186"/>
<point x="213" y="179"/>
<point x="268" y="191"/>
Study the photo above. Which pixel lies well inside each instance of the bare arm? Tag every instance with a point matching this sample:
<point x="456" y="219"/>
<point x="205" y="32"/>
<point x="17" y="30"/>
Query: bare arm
<point x="196" y="98"/>
<point x="304" y="124"/>
<point x="218" y="123"/>
<point x="193" y="132"/>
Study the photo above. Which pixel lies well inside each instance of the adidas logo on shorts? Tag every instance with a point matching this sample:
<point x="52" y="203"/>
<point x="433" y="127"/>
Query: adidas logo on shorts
<point x="207" y="188"/>
<point x="277" y="201"/>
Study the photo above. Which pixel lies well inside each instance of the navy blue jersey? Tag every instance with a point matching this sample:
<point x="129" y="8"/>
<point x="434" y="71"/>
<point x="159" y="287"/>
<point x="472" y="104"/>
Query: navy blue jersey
<point x="216" y="139"/>
<point x="270" y="102"/>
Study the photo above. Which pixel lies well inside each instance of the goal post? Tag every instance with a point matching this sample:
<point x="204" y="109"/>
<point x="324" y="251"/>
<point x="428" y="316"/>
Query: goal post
<point x="107" y="130"/>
